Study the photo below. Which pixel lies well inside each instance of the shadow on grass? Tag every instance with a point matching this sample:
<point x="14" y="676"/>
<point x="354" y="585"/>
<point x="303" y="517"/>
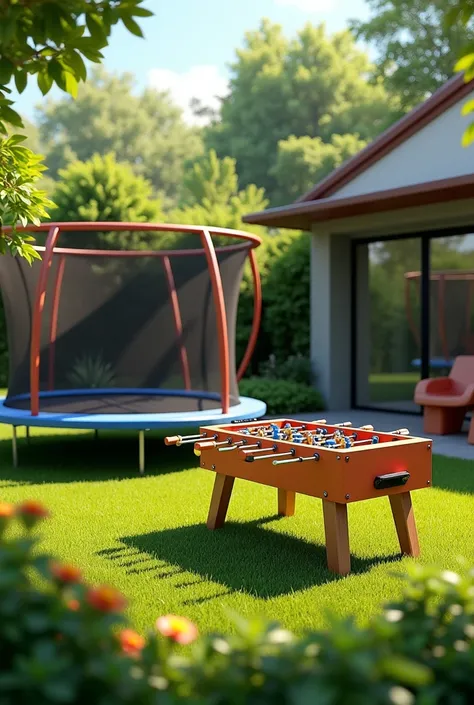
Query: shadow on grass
<point x="240" y="557"/>
<point x="453" y="474"/>
<point x="63" y="458"/>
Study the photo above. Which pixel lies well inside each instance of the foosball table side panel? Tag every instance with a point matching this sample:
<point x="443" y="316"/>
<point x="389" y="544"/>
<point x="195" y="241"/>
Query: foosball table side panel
<point x="409" y="460"/>
<point x="312" y="478"/>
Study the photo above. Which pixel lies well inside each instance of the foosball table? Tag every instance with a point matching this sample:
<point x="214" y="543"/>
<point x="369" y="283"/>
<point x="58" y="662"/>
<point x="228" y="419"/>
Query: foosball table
<point x="334" y="462"/>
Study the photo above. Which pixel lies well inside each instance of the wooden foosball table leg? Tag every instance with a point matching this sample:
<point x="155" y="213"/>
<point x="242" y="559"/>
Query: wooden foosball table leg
<point x="336" y="529"/>
<point x="286" y="503"/>
<point x="405" y="525"/>
<point x="221" y="494"/>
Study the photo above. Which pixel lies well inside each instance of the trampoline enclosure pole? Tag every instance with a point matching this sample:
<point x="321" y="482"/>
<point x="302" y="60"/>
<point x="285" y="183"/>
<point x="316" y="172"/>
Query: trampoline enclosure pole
<point x="53" y="236"/>
<point x="222" y="339"/>
<point x="14" y="447"/>
<point x="141" y="451"/>
<point x="257" y="315"/>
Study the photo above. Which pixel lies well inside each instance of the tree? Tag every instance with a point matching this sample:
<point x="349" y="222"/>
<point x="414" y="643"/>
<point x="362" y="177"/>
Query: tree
<point x="417" y="51"/>
<point x="211" y="195"/>
<point x="147" y="130"/>
<point x="304" y="161"/>
<point x="48" y="39"/>
<point x="102" y="189"/>
<point x="314" y="85"/>
<point x="462" y="13"/>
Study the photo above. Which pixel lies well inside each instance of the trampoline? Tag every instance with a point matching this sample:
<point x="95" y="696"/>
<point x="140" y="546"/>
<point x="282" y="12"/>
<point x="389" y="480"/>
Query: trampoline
<point x="105" y="337"/>
<point x="451" y="315"/>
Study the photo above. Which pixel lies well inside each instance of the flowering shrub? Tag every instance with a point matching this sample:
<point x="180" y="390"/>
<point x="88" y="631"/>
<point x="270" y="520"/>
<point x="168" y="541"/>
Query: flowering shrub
<point x="62" y="641"/>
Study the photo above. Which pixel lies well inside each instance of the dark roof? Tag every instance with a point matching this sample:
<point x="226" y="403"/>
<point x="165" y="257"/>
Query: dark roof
<point x="301" y="215"/>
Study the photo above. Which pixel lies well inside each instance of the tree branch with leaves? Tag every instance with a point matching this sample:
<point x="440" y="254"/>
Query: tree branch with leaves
<point x="49" y="40"/>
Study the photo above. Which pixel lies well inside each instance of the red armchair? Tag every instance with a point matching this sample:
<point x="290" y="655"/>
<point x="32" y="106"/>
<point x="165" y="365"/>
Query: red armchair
<point x="446" y="399"/>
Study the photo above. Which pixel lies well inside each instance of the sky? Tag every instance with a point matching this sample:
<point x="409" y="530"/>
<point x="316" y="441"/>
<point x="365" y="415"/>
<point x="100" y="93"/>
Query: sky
<point x="189" y="44"/>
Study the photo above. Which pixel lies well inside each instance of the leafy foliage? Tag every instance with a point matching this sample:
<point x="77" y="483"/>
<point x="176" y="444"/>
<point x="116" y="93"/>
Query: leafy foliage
<point x="20" y="200"/>
<point x="417" y="51"/>
<point x="92" y="372"/>
<point x="295" y="368"/>
<point x="70" y="643"/>
<point x="287" y="292"/>
<point x="211" y="195"/>
<point x="48" y="39"/>
<point x="462" y="13"/>
<point x="146" y="130"/>
<point x="304" y="161"/>
<point x="102" y="189"/>
<point x="313" y="85"/>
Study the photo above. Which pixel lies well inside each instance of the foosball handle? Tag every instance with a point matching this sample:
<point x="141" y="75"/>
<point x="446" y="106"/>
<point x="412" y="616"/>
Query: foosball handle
<point x="401" y="432"/>
<point x="319" y="421"/>
<point x="172" y="440"/>
<point x="204" y="445"/>
<point x="367" y="427"/>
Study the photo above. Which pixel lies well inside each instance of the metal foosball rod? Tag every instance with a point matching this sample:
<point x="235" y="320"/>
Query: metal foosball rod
<point x="247" y="450"/>
<point x="299" y="459"/>
<point x="252" y="458"/>
<point x="181" y="440"/>
<point x="239" y="444"/>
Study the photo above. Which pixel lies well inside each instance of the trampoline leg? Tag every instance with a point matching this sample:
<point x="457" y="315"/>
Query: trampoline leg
<point x="141" y="451"/>
<point x="14" y="447"/>
<point x="28" y="434"/>
<point x="96" y="434"/>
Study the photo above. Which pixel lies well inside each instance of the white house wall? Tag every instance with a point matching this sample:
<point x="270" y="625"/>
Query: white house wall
<point x="435" y="152"/>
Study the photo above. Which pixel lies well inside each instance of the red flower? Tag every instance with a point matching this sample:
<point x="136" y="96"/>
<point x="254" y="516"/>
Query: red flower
<point x="73" y="605"/>
<point x="131" y="642"/>
<point x="31" y="512"/>
<point x="7" y="510"/>
<point x="178" y="629"/>
<point x="106" y="599"/>
<point x="66" y="573"/>
<point x="33" y="508"/>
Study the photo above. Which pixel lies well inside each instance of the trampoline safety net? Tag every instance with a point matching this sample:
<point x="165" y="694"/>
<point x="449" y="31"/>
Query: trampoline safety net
<point x="132" y="323"/>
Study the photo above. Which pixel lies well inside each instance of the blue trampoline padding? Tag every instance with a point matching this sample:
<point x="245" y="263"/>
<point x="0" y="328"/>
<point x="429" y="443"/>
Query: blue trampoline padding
<point x="438" y="363"/>
<point x="247" y="408"/>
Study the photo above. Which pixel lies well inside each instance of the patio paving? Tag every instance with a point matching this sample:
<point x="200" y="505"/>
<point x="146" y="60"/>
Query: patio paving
<point x="455" y="446"/>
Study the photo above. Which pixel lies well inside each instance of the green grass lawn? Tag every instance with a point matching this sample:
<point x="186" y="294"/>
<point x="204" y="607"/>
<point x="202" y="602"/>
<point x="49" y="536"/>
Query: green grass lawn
<point x="147" y="535"/>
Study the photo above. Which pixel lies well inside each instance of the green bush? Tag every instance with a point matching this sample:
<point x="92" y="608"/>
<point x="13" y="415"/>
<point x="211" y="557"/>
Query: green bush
<point x="66" y="642"/>
<point x="296" y="368"/>
<point x="3" y="348"/>
<point x="282" y="396"/>
<point x="287" y="299"/>
<point x="102" y="189"/>
<point x="274" y="248"/>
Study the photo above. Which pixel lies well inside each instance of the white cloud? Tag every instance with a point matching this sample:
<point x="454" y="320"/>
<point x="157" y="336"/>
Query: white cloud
<point x="204" y="82"/>
<point x="311" y="6"/>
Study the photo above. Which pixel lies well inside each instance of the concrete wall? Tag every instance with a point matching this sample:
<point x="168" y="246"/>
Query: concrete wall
<point x="331" y="316"/>
<point x="435" y="152"/>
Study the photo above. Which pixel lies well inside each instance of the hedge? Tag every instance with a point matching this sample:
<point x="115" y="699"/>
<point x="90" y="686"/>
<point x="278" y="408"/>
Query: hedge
<point x="282" y="396"/>
<point x="67" y="642"/>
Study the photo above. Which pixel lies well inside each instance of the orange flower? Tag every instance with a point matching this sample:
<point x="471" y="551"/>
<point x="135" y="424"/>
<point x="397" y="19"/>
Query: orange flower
<point x="131" y="642"/>
<point x="73" y="605"/>
<point x="7" y="510"/>
<point x="66" y="573"/>
<point x="178" y="629"/>
<point x="106" y="599"/>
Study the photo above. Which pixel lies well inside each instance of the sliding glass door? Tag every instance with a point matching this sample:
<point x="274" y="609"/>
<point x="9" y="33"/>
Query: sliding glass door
<point x="387" y="331"/>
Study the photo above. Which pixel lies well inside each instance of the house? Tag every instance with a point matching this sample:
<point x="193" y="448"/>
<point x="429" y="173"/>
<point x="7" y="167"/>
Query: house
<point x="388" y="228"/>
